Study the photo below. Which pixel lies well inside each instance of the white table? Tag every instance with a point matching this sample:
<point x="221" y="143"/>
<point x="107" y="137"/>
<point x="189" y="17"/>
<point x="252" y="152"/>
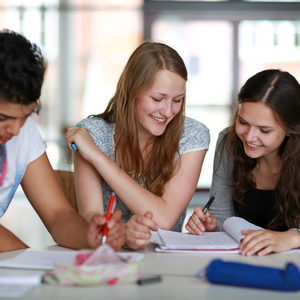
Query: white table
<point x="179" y="282"/>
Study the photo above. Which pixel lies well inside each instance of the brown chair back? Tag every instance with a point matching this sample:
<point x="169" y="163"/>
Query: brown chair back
<point x="66" y="180"/>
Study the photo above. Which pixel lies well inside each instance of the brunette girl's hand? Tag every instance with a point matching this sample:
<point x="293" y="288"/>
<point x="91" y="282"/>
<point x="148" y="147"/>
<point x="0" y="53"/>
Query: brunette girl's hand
<point x="263" y="242"/>
<point x="200" y="222"/>
<point x="138" y="230"/>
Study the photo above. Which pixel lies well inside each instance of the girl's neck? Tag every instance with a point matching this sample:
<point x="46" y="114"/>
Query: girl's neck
<point x="272" y="163"/>
<point x="267" y="172"/>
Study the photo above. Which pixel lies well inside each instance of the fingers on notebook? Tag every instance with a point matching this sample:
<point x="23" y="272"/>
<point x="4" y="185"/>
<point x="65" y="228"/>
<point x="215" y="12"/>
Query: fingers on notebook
<point x="200" y="222"/>
<point x="263" y="242"/>
<point x="194" y="225"/>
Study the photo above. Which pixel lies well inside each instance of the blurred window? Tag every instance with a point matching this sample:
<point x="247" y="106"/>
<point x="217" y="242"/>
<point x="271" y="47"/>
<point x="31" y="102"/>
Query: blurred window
<point x="206" y="48"/>
<point x="87" y="43"/>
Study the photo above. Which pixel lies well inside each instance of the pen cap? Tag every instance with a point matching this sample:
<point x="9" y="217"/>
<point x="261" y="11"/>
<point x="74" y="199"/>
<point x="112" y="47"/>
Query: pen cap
<point x="114" y="206"/>
<point x="111" y="203"/>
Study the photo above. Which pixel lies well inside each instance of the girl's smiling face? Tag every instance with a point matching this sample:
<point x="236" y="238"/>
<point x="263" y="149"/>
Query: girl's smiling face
<point x="258" y="129"/>
<point x="157" y="106"/>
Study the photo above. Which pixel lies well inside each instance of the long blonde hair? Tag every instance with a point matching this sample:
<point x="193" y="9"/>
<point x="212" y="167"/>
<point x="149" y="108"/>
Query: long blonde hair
<point x="138" y="75"/>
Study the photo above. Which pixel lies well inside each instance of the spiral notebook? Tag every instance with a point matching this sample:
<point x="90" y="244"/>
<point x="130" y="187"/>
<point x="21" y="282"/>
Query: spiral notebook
<point x="225" y="242"/>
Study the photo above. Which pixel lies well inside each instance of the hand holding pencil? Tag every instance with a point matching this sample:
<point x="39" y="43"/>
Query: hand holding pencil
<point x="107" y="229"/>
<point x="201" y="220"/>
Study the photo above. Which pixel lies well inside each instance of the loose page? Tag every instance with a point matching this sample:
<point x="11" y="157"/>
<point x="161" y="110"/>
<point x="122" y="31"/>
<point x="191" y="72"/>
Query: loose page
<point x="14" y="290"/>
<point x="41" y="260"/>
<point x="155" y="238"/>
<point x="15" y="285"/>
<point x="235" y="225"/>
<point x="45" y="259"/>
<point x="17" y="279"/>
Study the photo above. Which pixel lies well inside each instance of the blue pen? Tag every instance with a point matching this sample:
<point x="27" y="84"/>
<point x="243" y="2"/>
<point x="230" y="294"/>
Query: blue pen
<point x="74" y="146"/>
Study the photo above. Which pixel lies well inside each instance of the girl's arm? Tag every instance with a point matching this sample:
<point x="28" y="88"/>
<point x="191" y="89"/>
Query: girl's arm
<point x="222" y="207"/>
<point x="166" y="209"/>
<point x="88" y="187"/>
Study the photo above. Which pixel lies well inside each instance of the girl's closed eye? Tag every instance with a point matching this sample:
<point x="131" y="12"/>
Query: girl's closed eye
<point x="177" y="100"/>
<point x="156" y="99"/>
<point x="242" y="122"/>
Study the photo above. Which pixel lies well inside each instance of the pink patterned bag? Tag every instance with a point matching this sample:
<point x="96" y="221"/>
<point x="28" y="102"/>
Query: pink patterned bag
<point x="100" y="267"/>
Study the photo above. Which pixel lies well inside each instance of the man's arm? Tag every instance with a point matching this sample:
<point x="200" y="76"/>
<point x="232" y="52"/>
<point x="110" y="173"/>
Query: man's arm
<point x="66" y="226"/>
<point x="43" y="191"/>
<point x="9" y="242"/>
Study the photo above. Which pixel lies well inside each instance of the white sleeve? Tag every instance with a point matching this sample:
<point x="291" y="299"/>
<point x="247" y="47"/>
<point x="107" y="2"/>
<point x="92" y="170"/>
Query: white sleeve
<point x="32" y="141"/>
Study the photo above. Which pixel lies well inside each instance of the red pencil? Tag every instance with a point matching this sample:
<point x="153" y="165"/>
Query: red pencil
<point x="110" y="210"/>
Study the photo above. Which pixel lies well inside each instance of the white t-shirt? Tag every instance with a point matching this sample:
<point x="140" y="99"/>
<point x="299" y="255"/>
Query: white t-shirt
<point x="15" y="156"/>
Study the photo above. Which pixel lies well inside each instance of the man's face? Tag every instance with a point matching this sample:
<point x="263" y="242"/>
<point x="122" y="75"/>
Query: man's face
<point x="12" y="118"/>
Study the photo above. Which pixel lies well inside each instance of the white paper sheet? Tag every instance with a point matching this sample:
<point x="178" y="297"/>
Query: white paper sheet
<point x="41" y="260"/>
<point x="14" y="291"/>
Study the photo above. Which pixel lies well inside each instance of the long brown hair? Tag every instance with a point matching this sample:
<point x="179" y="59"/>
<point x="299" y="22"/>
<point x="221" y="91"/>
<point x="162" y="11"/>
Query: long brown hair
<point x="280" y="91"/>
<point x="138" y="75"/>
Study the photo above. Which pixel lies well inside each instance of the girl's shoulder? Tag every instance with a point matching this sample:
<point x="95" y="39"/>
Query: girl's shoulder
<point x="96" y="124"/>
<point x="194" y="128"/>
<point x="195" y="136"/>
<point x="101" y="132"/>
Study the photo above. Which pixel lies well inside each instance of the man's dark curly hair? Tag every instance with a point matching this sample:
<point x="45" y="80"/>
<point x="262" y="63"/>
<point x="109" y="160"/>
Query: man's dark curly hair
<point x="22" y="69"/>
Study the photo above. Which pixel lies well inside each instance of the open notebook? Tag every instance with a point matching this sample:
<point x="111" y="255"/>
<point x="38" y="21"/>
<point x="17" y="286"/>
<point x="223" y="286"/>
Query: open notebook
<point x="226" y="242"/>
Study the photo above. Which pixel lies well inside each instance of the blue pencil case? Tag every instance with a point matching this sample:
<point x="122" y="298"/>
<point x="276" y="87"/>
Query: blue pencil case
<point x="244" y="275"/>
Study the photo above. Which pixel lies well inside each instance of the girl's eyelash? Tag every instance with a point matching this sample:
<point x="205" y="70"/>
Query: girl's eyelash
<point x="244" y="123"/>
<point x="161" y="99"/>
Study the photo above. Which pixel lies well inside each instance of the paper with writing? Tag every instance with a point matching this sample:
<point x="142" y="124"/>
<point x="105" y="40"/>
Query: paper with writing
<point x="227" y="241"/>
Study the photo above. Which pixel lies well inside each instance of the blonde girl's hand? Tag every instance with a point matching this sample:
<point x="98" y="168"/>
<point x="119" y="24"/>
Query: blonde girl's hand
<point x="138" y="230"/>
<point x="83" y="141"/>
<point x="200" y="222"/>
<point x="263" y="242"/>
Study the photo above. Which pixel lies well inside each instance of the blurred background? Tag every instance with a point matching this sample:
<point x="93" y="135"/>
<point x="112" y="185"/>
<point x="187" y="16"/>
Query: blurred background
<point x="88" y="42"/>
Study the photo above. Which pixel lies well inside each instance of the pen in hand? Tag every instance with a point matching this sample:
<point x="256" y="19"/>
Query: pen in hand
<point x="110" y="210"/>
<point x="209" y="203"/>
<point x="74" y="147"/>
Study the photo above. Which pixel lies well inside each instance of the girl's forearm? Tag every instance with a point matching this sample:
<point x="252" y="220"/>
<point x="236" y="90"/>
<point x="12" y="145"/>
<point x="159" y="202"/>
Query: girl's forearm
<point x="135" y="197"/>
